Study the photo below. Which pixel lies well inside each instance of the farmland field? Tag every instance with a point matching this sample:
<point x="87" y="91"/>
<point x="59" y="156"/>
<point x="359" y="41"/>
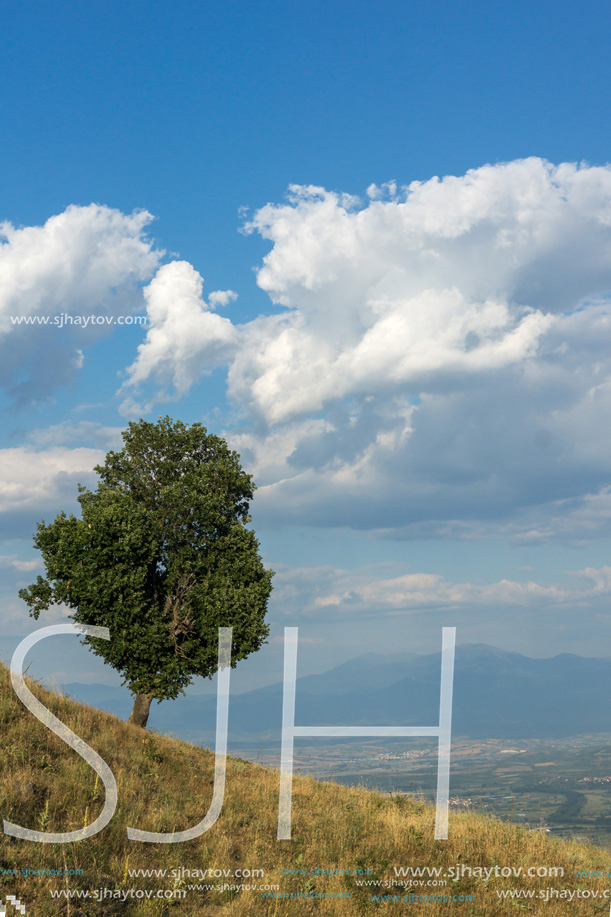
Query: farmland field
<point x="562" y="787"/>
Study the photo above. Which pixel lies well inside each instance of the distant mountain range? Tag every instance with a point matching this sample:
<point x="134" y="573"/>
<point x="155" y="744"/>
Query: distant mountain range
<point x="497" y="694"/>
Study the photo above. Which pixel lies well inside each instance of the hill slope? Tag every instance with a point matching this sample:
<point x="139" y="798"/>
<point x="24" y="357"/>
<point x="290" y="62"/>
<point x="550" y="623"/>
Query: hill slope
<point x="166" y="785"/>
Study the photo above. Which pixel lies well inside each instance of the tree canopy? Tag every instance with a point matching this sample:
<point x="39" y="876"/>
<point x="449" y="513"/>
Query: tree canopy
<point x="162" y="556"/>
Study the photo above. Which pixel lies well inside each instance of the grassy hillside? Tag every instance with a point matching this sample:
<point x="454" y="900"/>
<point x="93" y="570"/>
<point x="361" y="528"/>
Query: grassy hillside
<point x="166" y="784"/>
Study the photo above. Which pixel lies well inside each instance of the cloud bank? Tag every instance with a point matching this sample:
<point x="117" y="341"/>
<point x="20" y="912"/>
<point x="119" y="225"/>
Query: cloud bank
<point x="435" y="360"/>
<point x="438" y="355"/>
<point x="319" y="592"/>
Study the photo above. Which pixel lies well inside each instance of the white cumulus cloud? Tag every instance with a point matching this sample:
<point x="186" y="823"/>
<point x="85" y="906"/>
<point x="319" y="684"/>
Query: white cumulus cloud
<point x="83" y="262"/>
<point x="185" y="337"/>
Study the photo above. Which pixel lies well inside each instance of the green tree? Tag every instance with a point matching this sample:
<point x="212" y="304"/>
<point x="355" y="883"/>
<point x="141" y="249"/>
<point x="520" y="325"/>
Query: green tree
<point x="163" y="557"/>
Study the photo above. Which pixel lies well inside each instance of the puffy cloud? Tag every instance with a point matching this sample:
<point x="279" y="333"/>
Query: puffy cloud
<point x="287" y="369"/>
<point x="221" y="298"/>
<point x="185" y="337"/>
<point x="85" y="261"/>
<point x="448" y="277"/>
<point x="452" y="276"/>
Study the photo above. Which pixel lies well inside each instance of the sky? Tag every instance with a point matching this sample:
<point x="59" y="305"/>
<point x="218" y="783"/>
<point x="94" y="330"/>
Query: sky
<point x="367" y="243"/>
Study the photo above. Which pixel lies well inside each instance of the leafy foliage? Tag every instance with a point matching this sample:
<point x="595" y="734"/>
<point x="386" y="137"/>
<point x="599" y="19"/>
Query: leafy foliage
<point x="162" y="556"/>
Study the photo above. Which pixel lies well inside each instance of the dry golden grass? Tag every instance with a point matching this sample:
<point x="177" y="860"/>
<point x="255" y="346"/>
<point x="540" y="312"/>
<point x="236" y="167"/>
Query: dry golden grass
<point x="165" y="784"/>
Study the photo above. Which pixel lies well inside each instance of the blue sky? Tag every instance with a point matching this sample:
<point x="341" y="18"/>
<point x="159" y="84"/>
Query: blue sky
<point x="417" y="375"/>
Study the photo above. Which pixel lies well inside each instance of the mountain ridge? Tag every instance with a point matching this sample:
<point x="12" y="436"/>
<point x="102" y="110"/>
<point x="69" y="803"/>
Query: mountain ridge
<point x="497" y="694"/>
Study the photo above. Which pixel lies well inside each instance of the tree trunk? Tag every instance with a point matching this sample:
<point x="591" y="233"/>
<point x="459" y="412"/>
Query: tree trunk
<point x="140" y="714"/>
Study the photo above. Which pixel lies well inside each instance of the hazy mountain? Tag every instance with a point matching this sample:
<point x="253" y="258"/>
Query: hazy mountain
<point x="497" y="694"/>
